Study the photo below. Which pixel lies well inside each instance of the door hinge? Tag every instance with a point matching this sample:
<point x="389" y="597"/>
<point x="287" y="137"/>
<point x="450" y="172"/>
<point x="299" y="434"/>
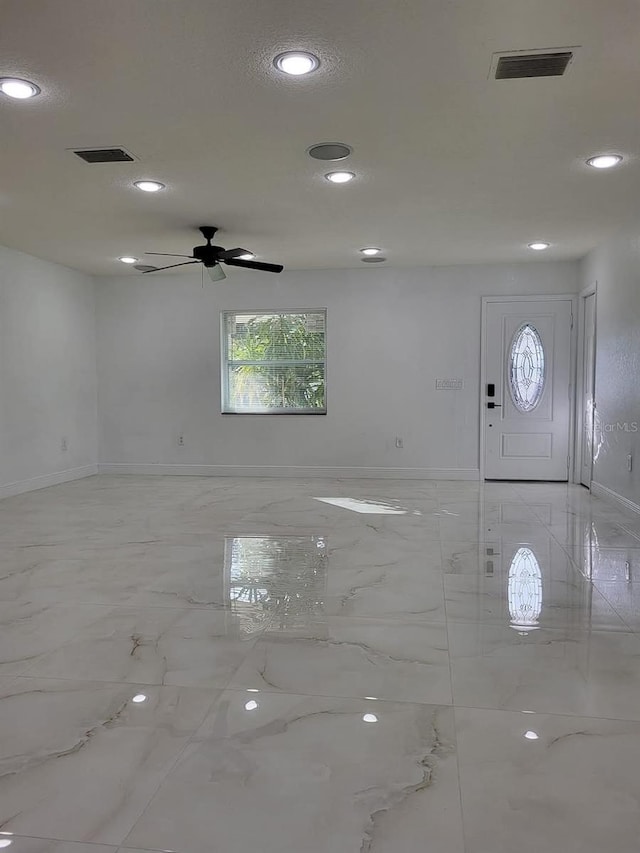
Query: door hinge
<point x="572" y="320"/>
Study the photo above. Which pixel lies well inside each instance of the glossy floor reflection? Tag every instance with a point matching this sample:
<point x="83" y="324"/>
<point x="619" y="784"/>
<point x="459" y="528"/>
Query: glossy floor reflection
<point x="217" y="665"/>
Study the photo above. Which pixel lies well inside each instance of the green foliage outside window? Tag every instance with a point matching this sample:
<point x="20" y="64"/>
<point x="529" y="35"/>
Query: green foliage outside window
<point x="275" y="362"/>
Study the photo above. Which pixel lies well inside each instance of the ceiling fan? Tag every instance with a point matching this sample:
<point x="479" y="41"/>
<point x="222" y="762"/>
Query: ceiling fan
<point x="211" y="257"/>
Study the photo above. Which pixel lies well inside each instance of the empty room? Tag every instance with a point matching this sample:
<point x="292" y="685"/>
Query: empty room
<point x="329" y="543"/>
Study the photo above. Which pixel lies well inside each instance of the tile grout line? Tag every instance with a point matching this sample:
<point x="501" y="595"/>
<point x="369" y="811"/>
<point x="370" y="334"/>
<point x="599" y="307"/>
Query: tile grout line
<point x="190" y="740"/>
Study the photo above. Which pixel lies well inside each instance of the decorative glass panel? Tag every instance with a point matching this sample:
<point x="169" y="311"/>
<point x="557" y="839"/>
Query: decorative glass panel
<point x="526" y="368"/>
<point x="525" y="591"/>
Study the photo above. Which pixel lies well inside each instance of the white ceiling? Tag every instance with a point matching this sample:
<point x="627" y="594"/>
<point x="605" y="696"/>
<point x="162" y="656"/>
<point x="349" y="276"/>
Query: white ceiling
<point x="453" y="167"/>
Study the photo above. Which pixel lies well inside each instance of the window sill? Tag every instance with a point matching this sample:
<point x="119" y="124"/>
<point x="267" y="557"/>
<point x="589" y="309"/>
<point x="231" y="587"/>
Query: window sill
<point x="276" y="413"/>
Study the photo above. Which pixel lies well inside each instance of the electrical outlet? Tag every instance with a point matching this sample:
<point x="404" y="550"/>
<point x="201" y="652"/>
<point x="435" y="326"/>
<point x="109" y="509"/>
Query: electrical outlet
<point x="629" y="462"/>
<point x="64" y="444"/>
<point x="181" y="440"/>
<point x="399" y="442"/>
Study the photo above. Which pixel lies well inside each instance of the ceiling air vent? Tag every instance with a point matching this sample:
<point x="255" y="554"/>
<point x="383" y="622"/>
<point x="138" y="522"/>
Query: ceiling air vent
<point x="544" y="64"/>
<point x="104" y="155"/>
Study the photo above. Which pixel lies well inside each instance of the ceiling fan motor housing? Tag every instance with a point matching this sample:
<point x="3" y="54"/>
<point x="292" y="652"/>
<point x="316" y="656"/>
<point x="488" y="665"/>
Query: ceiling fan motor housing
<point x="207" y="254"/>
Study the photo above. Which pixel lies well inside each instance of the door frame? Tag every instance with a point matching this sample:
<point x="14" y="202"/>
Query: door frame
<point x="537" y="297"/>
<point x="590" y="290"/>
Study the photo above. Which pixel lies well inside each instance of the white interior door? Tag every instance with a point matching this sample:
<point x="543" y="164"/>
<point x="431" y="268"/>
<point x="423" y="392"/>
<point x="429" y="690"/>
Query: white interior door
<point x="588" y="387"/>
<point x="526" y="405"/>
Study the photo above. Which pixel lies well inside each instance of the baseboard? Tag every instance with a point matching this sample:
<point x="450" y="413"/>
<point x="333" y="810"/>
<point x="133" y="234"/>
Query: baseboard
<point x="291" y="471"/>
<point x="18" y="488"/>
<point x="600" y="491"/>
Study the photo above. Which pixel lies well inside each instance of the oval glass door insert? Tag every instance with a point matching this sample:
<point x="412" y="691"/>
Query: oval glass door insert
<point x="526" y="368"/>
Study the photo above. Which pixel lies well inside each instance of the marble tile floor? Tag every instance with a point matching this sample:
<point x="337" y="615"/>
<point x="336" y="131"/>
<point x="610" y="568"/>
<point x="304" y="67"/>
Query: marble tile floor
<point x="207" y="665"/>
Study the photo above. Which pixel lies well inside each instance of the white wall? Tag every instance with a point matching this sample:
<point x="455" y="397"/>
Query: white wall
<point x="615" y="266"/>
<point x="391" y="333"/>
<point x="47" y="373"/>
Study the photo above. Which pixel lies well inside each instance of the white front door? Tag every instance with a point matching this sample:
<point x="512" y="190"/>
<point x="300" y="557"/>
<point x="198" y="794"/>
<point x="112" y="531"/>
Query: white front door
<point x="525" y="400"/>
<point x="588" y="387"/>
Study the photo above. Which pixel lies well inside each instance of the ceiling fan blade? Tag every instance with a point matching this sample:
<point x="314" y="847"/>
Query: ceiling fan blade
<point x="168" y="255"/>
<point x="216" y="273"/>
<point x="232" y="253"/>
<point x="159" y="269"/>
<point x="254" y="265"/>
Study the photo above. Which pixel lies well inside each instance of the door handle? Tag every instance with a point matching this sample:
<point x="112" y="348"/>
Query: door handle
<point x="494" y="405"/>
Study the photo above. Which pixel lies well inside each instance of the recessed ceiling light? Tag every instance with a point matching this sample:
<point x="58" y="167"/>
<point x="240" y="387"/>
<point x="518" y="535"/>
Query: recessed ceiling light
<point x="251" y="705"/>
<point x="139" y="697"/>
<point x="340" y="177"/>
<point x="128" y="259"/>
<point x="371" y="250"/>
<point x="369" y="718"/>
<point x="604" y="161"/>
<point x="149" y="186"/>
<point x="296" y="62"/>
<point x="531" y="735"/>
<point x="248" y="257"/>
<point x="20" y="89"/>
<point x="539" y="246"/>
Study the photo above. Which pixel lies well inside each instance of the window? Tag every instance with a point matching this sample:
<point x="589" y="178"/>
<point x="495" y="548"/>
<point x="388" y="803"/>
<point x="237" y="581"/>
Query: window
<point x="526" y="368"/>
<point x="273" y="363"/>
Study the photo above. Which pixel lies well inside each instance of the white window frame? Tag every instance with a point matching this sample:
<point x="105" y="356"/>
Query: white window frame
<point x="227" y="409"/>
